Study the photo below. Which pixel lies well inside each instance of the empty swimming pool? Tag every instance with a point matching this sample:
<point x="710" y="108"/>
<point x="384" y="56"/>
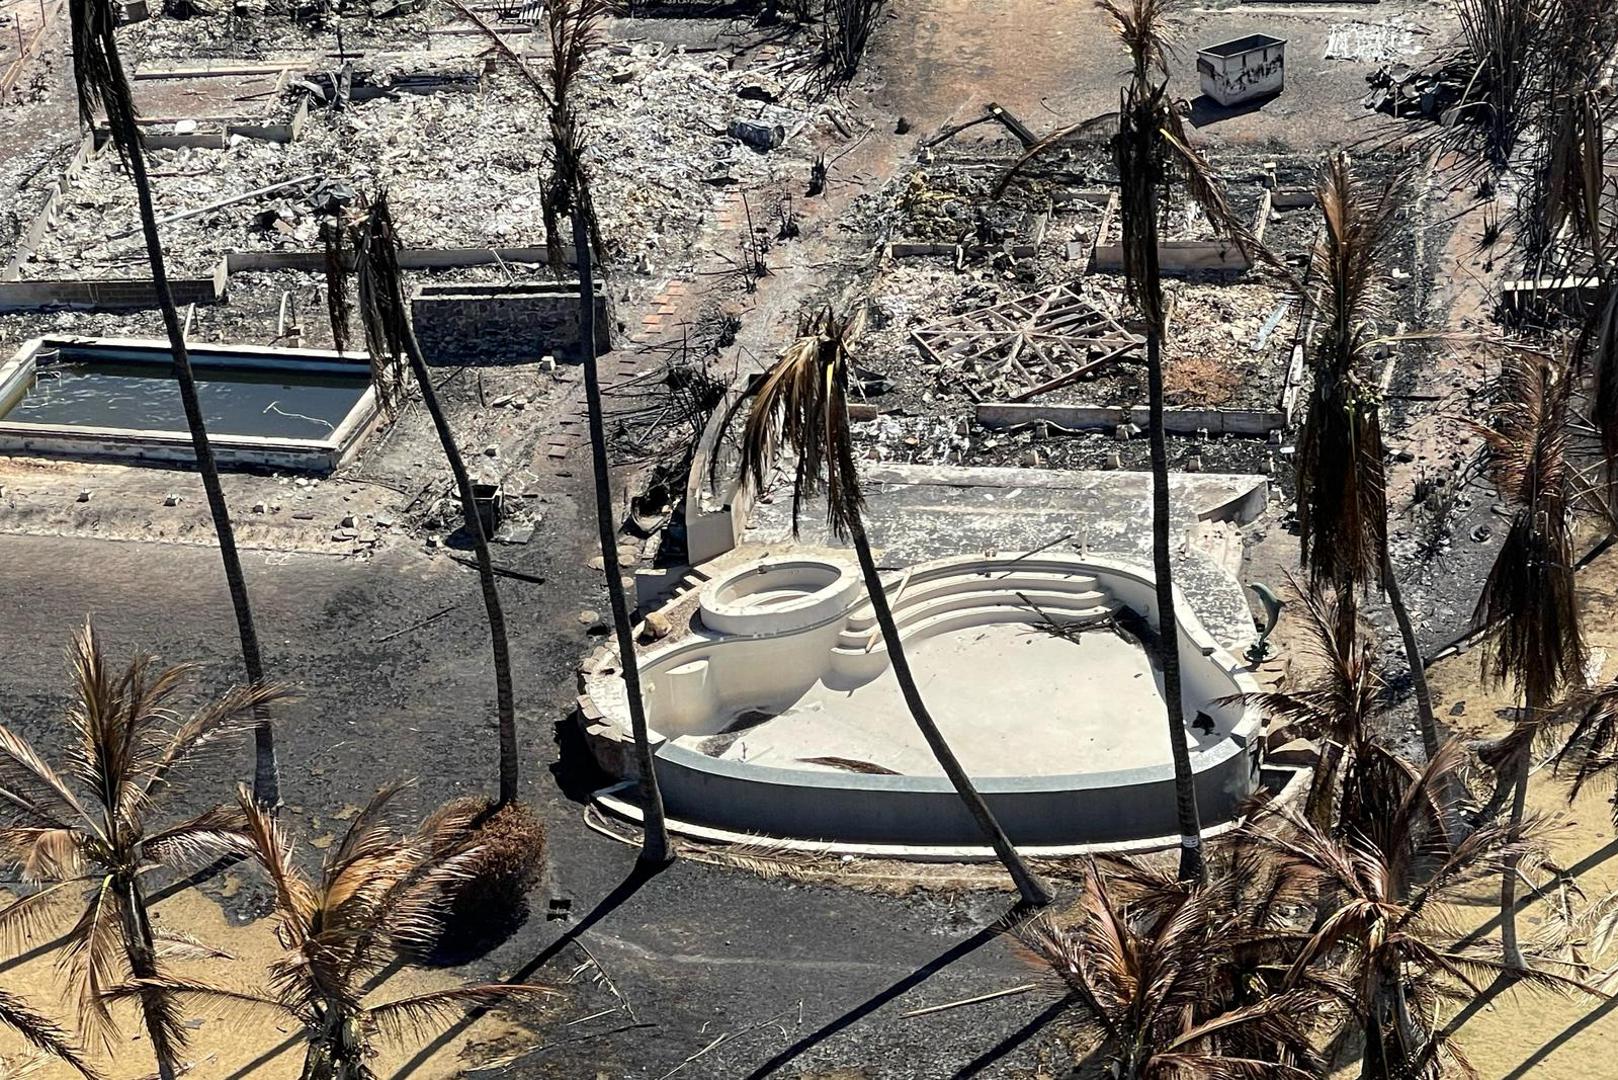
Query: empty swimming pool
<point x="283" y="408"/>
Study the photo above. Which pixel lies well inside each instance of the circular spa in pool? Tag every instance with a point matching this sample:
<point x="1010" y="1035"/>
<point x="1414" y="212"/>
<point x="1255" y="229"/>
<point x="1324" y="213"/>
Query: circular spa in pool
<point x="778" y="713"/>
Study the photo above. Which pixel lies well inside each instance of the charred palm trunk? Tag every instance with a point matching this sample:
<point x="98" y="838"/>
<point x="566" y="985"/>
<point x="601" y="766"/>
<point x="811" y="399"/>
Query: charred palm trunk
<point x="1418" y="666"/>
<point x="1168" y="627"/>
<point x="505" y="706"/>
<point x="337" y="1051"/>
<point x="1510" y="950"/>
<point x="266" y="776"/>
<point x="141" y="952"/>
<point x="1385" y="1053"/>
<point x="1142" y="171"/>
<point x="1035" y="893"/>
<point x="655" y="839"/>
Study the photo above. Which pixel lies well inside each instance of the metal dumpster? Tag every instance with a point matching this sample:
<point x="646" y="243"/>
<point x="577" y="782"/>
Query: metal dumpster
<point x="1243" y="68"/>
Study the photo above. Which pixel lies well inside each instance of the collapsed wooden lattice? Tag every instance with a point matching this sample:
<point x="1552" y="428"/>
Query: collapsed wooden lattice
<point x="1026" y="345"/>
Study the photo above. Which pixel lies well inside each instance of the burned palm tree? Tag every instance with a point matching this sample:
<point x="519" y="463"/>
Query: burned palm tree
<point x="1499" y="37"/>
<point x="800" y="406"/>
<point x="99" y="78"/>
<point x="377" y="898"/>
<point x="846" y="27"/>
<point x="1560" y="220"/>
<point x="1528" y="605"/>
<point x="1342" y="486"/>
<point x="85" y="834"/>
<point x="1151" y="151"/>
<point x="393" y="347"/>
<point x="1382" y="936"/>
<point x="575" y="31"/>
<point x="43" y="1034"/>
<point x="1149" y="987"/>
<point x="655" y="848"/>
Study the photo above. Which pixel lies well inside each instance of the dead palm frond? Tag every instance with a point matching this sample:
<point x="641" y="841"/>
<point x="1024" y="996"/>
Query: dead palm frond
<point x="1140" y="984"/>
<point x="576" y="30"/>
<point x="1589" y="747"/>
<point x="384" y="312"/>
<point x="1383" y="928"/>
<point x="1499" y="37"/>
<point x="1342" y="493"/>
<point x="802" y="405"/>
<point x="1338" y="702"/>
<point x="1528" y="601"/>
<point x="377" y="893"/>
<point x="85" y="836"/>
<point x="98" y="75"/>
<point x="42" y="1033"/>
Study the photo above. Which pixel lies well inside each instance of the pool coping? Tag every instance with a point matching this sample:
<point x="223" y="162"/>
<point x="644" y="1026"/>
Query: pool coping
<point x="88" y="442"/>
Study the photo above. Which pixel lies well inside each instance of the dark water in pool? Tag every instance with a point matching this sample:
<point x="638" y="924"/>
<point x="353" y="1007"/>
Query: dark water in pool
<point x="235" y="401"/>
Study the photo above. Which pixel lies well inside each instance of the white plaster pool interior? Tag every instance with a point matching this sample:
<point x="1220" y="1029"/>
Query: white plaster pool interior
<point x="1012" y="698"/>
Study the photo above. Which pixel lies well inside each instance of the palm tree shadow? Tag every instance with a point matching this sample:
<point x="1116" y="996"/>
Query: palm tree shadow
<point x="1012" y="1041"/>
<point x="1566" y="1035"/>
<point x="898" y="989"/>
<point x="1589" y="862"/>
<point x="639" y="875"/>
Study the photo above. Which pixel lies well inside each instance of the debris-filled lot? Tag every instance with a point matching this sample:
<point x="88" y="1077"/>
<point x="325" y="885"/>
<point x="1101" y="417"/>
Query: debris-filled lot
<point x="743" y="185"/>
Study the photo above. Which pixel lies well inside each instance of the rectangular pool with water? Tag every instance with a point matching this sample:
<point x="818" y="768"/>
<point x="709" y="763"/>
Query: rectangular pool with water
<point x="278" y="408"/>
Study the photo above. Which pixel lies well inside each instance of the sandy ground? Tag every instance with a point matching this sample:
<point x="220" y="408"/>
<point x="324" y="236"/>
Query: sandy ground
<point x="235" y="1044"/>
<point x="1521" y="1034"/>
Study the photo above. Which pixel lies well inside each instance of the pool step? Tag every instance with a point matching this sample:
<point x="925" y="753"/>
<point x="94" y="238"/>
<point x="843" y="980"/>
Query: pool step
<point x="999" y="585"/>
<point x="1056" y="603"/>
<point x="859" y="658"/>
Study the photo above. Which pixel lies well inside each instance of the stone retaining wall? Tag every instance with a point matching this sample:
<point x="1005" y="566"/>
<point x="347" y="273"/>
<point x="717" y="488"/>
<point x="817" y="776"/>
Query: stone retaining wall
<point x="503" y="324"/>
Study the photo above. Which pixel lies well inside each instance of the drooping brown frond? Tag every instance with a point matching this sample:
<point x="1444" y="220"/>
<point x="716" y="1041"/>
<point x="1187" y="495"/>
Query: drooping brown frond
<point x="98" y="75"/>
<point x="212" y="834"/>
<point x="1143" y="27"/>
<point x="91" y="958"/>
<point x="1342" y="493"/>
<point x="220" y="720"/>
<point x="335" y="263"/>
<point x="1598" y="347"/>
<point x="1103" y="126"/>
<point x="384" y="315"/>
<point x="424" y="1015"/>
<point x="1528" y="602"/>
<point x="1590" y="748"/>
<point x="230" y="1004"/>
<point x="43" y="1033"/>
<point x="800" y="407"/>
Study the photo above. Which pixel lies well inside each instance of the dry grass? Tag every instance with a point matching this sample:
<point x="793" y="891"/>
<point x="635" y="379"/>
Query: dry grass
<point x="1199" y="381"/>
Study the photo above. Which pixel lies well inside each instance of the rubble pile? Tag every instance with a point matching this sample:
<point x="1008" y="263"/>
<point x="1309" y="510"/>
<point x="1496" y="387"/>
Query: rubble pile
<point x="1428" y="92"/>
<point x="462" y="169"/>
<point x="261" y="30"/>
